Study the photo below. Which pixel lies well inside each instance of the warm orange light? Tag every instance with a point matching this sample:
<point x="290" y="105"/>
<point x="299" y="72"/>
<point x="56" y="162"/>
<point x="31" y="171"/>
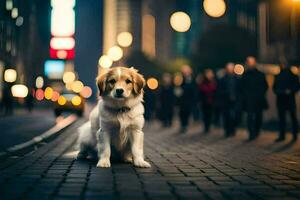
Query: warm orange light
<point x="77" y="86"/>
<point x="214" y="8"/>
<point x="55" y="96"/>
<point x="86" y="92"/>
<point x="239" y="69"/>
<point x="152" y="83"/>
<point x="124" y="39"/>
<point x="61" y="100"/>
<point x="69" y="77"/>
<point x="61" y="54"/>
<point x="48" y="93"/>
<point x="180" y="21"/>
<point x="76" y="100"/>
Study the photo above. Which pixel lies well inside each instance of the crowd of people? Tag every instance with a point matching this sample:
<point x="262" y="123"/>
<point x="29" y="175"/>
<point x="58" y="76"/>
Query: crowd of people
<point x="225" y="97"/>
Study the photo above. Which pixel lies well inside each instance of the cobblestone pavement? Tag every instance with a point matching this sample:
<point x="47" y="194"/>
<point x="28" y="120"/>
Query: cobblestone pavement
<point x="184" y="166"/>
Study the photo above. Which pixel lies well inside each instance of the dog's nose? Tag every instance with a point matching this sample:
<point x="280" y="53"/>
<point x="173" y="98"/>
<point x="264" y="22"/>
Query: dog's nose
<point x="119" y="91"/>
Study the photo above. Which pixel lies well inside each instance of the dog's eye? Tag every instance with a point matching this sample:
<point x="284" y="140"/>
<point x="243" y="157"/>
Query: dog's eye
<point x="112" y="81"/>
<point x="128" y="81"/>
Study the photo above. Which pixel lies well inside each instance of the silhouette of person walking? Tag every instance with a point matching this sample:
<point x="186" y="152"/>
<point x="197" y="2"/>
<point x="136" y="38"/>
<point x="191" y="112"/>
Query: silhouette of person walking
<point x="285" y="87"/>
<point x="253" y="89"/>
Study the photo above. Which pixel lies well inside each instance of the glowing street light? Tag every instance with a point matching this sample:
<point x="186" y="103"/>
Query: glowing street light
<point x="77" y="86"/>
<point x="239" y="69"/>
<point x="19" y="90"/>
<point x="214" y="8"/>
<point x="9" y="4"/>
<point x="124" y="39"/>
<point x="152" y="83"/>
<point x="61" y="100"/>
<point x="69" y="77"/>
<point x="66" y="43"/>
<point x="10" y="75"/>
<point x="105" y="61"/>
<point x="115" y="53"/>
<point x="39" y="82"/>
<point x="180" y="21"/>
<point x="86" y="92"/>
<point x="14" y="13"/>
<point x="76" y="100"/>
<point x="48" y="93"/>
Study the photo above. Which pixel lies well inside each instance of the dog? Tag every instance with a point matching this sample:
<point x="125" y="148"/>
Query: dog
<point x="117" y="120"/>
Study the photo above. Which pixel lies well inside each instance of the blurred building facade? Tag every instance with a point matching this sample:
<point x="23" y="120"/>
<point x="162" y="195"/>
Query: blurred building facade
<point x="23" y="33"/>
<point x="279" y="31"/>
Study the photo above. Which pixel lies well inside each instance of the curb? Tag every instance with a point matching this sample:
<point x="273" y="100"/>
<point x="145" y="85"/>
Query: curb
<point x="32" y="144"/>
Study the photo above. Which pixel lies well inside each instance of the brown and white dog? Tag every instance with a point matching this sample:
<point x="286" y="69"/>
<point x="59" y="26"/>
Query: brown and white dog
<point x="117" y="120"/>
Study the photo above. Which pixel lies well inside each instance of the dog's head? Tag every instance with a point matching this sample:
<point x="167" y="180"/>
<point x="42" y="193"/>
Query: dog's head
<point x="120" y="83"/>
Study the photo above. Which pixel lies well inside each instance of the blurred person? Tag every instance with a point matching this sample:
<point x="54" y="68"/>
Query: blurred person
<point x="30" y="100"/>
<point x="186" y="100"/>
<point x="218" y="102"/>
<point x="286" y="85"/>
<point x="228" y="96"/>
<point x="149" y="103"/>
<point x="167" y="98"/>
<point x="7" y="99"/>
<point x="207" y="89"/>
<point x="253" y="90"/>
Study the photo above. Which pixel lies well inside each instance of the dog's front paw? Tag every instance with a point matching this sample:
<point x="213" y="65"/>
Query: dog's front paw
<point x="141" y="163"/>
<point x="103" y="163"/>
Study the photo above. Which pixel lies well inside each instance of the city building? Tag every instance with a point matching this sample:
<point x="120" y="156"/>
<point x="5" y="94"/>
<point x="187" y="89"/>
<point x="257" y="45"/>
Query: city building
<point x="279" y="31"/>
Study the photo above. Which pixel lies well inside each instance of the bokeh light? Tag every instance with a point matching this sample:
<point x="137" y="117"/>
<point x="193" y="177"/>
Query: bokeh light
<point x="124" y="39"/>
<point x="76" y="100"/>
<point x="48" y="93"/>
<point x="39" y="94"/>
<point x="14" y="13"/>
<point x="62" y="43"/>
<point x="214" y="8"/>
<point x="10" y="75"/>
<point x="77" y="86"/>
<point x="86" y="92"/>
<point x="115" y="53"/>
<point x="69" y="77"/>
<point x="239" y="69"/>
<point x="152" y="83"/>
<point x="61" y="100"/>
<point x="61" y="54"/>
<point x="105" y="61"/>
<point x="39" y="82"/>
<point x="55" y="96"/>
<point x="180" y="21"/>
<point x="19" y="90"/>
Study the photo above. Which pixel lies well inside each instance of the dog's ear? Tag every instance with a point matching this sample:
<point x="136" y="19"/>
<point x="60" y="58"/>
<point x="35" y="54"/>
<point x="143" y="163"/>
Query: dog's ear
<point x="101" y="83"/>
<point x="138" y="82"/>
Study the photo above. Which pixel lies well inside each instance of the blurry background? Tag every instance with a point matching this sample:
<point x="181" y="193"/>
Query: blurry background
<point x="50" y="47"/>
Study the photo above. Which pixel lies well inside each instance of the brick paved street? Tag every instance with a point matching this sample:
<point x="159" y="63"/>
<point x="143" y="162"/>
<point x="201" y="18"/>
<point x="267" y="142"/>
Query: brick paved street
<point x="189" y="166"/>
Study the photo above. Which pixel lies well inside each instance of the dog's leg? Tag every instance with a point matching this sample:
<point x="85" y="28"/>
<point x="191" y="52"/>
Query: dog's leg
<point x="103" y="147"/>
<point x="137" y="148"/>
<point x="127" y="155"/>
